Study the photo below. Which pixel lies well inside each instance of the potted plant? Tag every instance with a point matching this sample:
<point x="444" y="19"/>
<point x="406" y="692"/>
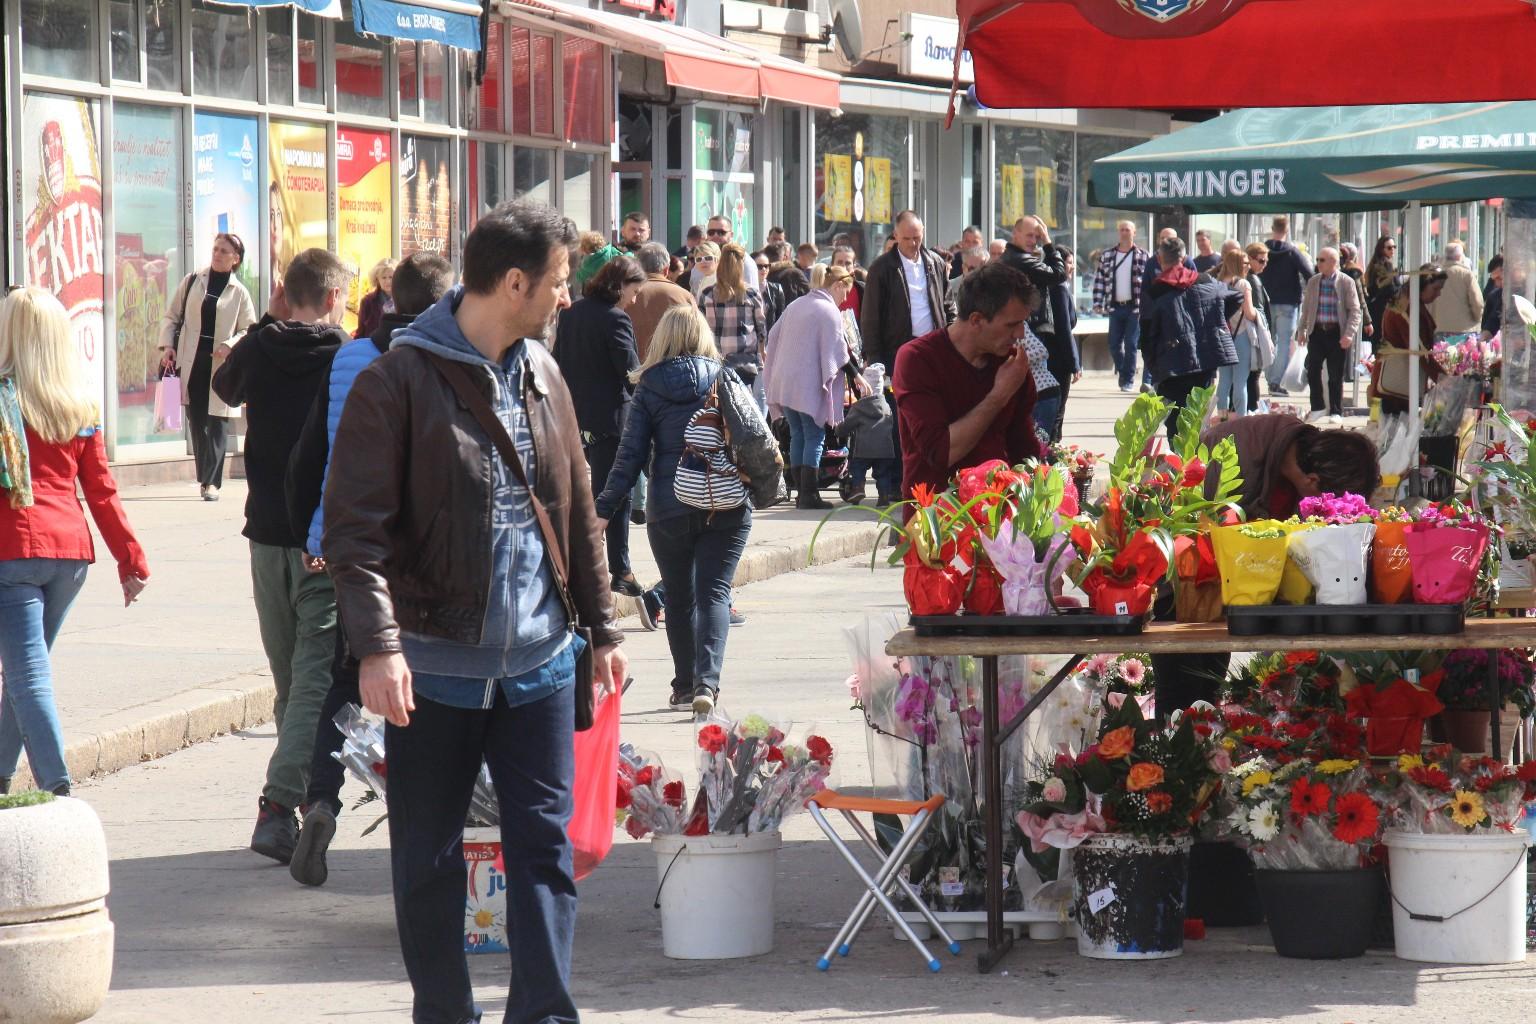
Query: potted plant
<point x="1126" y="807"/>
<point x="1457" y="855"/>
<point x="1024" y="535"/>
<point x="1394" y="694"/>
<point x="1080" y="464"/>
<point x="1463" y="690"/>
<point x="1446" y="547"/>
<point x="1334" y="556"/>
<point x="55" y="933"/>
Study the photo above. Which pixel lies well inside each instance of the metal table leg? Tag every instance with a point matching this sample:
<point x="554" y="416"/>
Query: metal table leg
<point x="1493" y="701"/>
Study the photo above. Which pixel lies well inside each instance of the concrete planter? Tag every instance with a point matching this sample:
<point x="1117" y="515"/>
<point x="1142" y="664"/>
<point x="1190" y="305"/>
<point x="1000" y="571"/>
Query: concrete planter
<point x="55" y="934"/>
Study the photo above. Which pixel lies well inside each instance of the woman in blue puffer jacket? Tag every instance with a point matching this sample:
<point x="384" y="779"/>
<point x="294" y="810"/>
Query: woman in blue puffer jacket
<point x="696" y="550"/>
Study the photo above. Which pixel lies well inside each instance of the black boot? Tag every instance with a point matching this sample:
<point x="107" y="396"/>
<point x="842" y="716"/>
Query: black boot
<point x="809" y="497"/>
<point x="5" y="784"/>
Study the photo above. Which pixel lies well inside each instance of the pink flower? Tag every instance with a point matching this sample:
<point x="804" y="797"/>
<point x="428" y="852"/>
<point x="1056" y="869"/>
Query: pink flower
<point x="1114" y="700"/>
<point x="855" y="687"/>
<point x="1220" y="760"/>
<point x="1098" y="665"/>
<point x="1054" y="791"/>
<point x="1063" y="831"/>
<point x="1133" y="671"/>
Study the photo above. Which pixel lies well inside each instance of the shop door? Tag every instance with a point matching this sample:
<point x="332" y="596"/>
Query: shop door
<point x="634" y="189"/>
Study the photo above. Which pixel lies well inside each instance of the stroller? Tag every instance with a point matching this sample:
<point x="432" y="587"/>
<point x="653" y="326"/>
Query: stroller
<point x="834" y="456"/>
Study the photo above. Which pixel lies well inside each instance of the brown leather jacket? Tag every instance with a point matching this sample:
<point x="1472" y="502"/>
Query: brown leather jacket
<point x="408" y="504"/>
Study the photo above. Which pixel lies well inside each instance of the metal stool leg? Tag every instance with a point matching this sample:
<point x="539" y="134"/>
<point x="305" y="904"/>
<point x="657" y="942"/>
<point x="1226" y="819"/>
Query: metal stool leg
<point x="890" y="869"/>
<point x="918" y="825"/>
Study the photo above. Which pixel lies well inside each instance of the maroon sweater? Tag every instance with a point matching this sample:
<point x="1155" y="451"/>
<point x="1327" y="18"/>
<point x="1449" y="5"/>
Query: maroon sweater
<point x="935" y="386"/>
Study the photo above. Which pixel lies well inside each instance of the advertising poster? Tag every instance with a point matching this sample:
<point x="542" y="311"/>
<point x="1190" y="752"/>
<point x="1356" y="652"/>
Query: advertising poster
<point x="426" y="195"/>
<point x="146" y="173"/>
<point x="1045" y="195"/>
<point x="837" y="200"/>
<point x="226" y="187"/>
<point x="61" y="207"/>
<point x="297" y="210"/>
<point x="877" y="190"/>
<point x="728" y="199"/>
<point x="1011" y="192"/>
<point x="365" y="216"/>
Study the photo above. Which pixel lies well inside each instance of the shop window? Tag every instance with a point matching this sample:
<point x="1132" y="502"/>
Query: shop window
<point x="520" y="49"/>
<point x="426" y="195"/>
<point x="280" y="56"/>
<point x="162" y="44"/>
<point x="792" y="166"/>
<point x="533" y="174"/>
<point x="223" y="57"/>
<point x="490" y="116"/>
<point x="580" y="198"/>
<point x="58" y="38"/>
<point x="1034" y="176"/>
<point x="486" y="170"/>
<point x="146" y="170"/>
<point x="860" y="176"/>
<point x="543" y="67"/>
<point x="1097" y="227"/>
<point x="311" y="80"/>
<point x="433" y="61"/>
<point x="124" y="19"/>
<point x="410" y="84"/>
<point x="359" y="73"/>
<point x="365" y="221"/>
<point x="586" y="106"/>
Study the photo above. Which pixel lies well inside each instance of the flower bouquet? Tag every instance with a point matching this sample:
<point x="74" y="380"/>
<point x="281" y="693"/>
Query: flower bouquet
<point x="1024" y="536"/>
<point x="1080" y="464"/>
<point x="1442" y="793"/>
<point x="1334" y="556"/>
<point x="650" y="798"/>
<point x="1391" y="571"/>
<point x="1304" y="814"/>
<point x="750" y="779"/>
<point x="1446" y="544"/>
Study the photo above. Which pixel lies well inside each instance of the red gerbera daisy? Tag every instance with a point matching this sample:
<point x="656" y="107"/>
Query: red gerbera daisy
<point x="1431" y="777"/>
<point x="1359" y="818"/>
<point x="1308" y="798"/>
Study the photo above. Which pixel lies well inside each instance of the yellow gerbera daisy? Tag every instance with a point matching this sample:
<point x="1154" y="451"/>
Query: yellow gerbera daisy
<point x="1408" y="762"/>
<point x="1467" y="809"/>
<point x="1337" y="766"/>
<point x="1256" y="780"/>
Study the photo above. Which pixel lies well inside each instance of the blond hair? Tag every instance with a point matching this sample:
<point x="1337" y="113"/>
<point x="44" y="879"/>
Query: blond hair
<point x="681" y="331"/>
<point x="818" y="275"/>
<point x="36" y="350"/>
<point x="730" y="277"/>
<point x="380" y="268"/>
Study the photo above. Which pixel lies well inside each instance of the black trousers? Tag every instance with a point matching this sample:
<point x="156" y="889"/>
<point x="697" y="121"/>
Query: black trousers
<point x="325" y="772"/>
<point x="1323" y="348"/>
<point x="601" y="452"/>
<point x="208" y="432"/>
<point x="1175" y="391"/>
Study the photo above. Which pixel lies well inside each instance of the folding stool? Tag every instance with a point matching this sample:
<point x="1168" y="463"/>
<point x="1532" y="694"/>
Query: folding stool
<point x="887" y="878"/>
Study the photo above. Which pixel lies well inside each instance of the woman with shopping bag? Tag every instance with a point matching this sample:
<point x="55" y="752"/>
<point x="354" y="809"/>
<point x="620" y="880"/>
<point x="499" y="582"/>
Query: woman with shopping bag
<point x="208" y="313"/>
<point x="50" y="447"/>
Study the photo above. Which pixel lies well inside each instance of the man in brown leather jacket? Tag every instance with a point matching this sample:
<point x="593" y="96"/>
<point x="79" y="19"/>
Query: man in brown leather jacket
<point x="453" y="605"/>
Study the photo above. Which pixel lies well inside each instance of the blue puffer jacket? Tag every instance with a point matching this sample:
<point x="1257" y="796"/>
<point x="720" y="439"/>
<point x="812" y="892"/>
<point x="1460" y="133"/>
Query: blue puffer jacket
<point x="665" y="399"/>
<point x="1184" y="325"/>
<point x="347" y="364"/>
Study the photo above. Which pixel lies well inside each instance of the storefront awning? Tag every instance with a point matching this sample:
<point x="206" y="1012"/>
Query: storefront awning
<point x="696" y="60"/>
<point x="322" y="8"/>
<point x="434" y="21"/>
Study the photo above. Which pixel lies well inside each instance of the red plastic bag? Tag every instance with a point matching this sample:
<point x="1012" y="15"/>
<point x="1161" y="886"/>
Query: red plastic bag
<point x="594" y="795"/>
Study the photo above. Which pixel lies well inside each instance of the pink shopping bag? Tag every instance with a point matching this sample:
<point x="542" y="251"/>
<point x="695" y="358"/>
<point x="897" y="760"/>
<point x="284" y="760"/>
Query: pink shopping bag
<point x="168" y="404"/>
<point x="595" y="792"/>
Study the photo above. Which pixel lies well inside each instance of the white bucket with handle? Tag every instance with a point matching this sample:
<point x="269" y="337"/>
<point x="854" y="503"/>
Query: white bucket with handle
<point x="716" y="894"/>
<point x="1459" y="899"/>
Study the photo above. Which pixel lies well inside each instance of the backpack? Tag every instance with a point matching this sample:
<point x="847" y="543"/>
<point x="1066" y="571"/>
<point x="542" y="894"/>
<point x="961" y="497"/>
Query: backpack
<point x="753" y="448"/>
<point x="706" y="477"/>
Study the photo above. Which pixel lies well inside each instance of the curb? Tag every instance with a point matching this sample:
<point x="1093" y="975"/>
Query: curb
<point x="243" y="702"/>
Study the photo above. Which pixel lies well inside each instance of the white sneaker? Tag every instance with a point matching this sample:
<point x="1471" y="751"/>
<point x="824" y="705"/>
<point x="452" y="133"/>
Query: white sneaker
<point x="1317" y="416"/>
<point x="1335" y="419"/>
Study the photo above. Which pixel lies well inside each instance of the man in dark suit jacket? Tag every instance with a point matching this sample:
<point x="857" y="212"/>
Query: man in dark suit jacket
<point x="905" y="296"/>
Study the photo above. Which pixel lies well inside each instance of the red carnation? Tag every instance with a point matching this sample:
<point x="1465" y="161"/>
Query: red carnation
<point x="712" y="739"/>
<point x="1308" y="798"/>
<point x="775" y="755"/>
<point x="819" y="749"/>
<point x="382" y="769"/>
<point x="1358" y="818"/>
<point x="1159" y="802"/>
<point x="623" y="797"/>
<point x="645" y="776"/>
<point x="1194" y="473"/>
<point x="672" y="794"/>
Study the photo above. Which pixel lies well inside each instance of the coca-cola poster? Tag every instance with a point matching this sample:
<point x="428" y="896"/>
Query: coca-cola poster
<point x="61" y="207"/>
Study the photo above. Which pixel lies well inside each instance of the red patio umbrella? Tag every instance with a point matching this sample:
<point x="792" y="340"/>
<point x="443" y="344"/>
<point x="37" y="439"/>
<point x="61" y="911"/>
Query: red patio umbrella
<point x="1247" y="53"/>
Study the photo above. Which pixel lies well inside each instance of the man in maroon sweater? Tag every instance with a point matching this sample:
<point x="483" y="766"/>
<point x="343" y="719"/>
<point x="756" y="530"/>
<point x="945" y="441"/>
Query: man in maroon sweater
<point x="965" y="393"/>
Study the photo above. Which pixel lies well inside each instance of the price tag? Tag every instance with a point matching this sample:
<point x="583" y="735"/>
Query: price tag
<point x="951" y="888"/>
<point x="1097" y="901"/>
<point x="1121" y="608"/>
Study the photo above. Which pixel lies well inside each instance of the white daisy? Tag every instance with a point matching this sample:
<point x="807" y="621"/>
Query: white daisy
<point x="1263" y="822"/>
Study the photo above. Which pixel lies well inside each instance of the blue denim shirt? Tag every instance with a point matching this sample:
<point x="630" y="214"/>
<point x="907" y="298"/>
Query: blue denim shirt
<point x="537" y="683"/>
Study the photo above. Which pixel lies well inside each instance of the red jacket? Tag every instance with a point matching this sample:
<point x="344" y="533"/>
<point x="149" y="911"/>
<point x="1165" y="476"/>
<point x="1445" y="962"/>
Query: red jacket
<point x="54" y="526"/>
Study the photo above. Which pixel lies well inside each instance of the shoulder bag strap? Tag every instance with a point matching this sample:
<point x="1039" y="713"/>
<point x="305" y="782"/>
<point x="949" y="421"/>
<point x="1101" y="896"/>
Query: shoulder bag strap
<point x="457" y="375"/>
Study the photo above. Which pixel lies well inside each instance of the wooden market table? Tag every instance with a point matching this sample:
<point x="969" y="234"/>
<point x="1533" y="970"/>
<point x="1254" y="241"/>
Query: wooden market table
<point x="1157" y="638"/>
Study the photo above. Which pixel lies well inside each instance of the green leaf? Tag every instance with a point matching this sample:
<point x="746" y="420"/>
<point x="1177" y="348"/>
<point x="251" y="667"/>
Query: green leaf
<point x="1186" y="434"/>
<point x="1133" y="431"/>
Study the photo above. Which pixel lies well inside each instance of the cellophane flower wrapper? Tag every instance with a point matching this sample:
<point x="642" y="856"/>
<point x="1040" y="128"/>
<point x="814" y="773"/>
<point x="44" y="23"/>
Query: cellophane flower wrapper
<point x="1295" y="588"/>
<point x="1391" y="568"/>
<point x="729" y="762"/>
<point x="362" y="747"/>
<point x="651" y="798"/>
<point x="1307" y="846"/>
<point x="1027" y="581"/>
<point x="1394" y="716"/>
<point x="1335" y="560"/>
<point x="1445" y="561"/>
<point x="1251" y="567"/>
<point x="931" y="591"/>
<point x="792" y="780"/>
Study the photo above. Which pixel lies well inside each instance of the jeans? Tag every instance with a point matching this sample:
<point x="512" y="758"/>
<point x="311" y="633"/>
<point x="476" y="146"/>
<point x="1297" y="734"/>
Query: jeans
<point x="1047" y="409"/>
<point x="697" y="553"/>
<point x="296" y="611"/>
<point x="1323" y="348"/>
<point x="325" y="772"/>
<point x="433" y="763"/>
<point x="637" y="493"/>
<point x="1124" y="341"/>
<point x="1285" y="328"/>
<point x="806" y="438"/>
<point x="208" y="432"/>
<point x="1175" y="391"/>
<point x="1060" y="422"/>
<point x="887" y="475"/>
<point x="601" y="452"/>
<point x="35" y="595"/>
<point x="1232" y="381"/>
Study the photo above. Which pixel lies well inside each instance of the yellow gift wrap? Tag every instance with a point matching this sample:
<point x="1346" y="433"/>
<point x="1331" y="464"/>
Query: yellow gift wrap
<point x="1295" y="588"/>
<point x="1251" y="567"/>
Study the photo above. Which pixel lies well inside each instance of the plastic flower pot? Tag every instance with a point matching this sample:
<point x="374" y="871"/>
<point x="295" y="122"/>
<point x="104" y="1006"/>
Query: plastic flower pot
<point x="1320" y="915"/>
<point x="1128" y="897"/>
<point x="1466" y="729"/>
<point x="1459" y="899"/>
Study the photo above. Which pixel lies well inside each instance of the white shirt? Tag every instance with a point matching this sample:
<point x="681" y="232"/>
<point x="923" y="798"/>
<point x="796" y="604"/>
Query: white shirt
<point x="917" y="291"/>
<point x="749" y="272"/>
<point x="1123" y="261"/>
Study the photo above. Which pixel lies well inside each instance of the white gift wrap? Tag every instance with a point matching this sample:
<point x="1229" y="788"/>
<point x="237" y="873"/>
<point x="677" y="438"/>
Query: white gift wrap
<point x="1335" y="559"/>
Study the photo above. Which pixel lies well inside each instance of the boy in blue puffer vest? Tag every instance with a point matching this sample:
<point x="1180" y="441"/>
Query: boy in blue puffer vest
<point x="420" y="280"/>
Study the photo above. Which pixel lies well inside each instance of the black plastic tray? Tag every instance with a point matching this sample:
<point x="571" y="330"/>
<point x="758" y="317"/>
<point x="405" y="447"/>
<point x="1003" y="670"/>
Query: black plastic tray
<point x="1346" y="620"/>
<point x="1064" y="624"/>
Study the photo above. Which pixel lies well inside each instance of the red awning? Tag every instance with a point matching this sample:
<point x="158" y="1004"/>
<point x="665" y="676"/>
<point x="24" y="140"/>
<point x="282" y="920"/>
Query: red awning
<point x="698" y="61"/>
<point x="1247" y="53"/>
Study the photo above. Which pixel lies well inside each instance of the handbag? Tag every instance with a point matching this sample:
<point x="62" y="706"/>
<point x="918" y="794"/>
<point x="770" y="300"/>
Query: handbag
<point x="168" y="403"/>
<point x="458" y="376"/>
<point x="754" y="449"/>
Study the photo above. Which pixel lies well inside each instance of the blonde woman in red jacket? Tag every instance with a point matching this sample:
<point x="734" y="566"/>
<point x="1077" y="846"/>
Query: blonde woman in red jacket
<point x="49" y="442"/>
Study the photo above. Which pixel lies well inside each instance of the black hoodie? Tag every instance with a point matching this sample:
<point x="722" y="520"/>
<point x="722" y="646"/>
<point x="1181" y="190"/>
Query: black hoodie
<point x="275" y="373"/>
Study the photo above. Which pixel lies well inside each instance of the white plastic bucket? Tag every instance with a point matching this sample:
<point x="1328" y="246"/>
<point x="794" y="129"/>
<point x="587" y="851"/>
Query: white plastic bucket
<point x="716" y="894"/>
<point x="1474" y="883"/>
